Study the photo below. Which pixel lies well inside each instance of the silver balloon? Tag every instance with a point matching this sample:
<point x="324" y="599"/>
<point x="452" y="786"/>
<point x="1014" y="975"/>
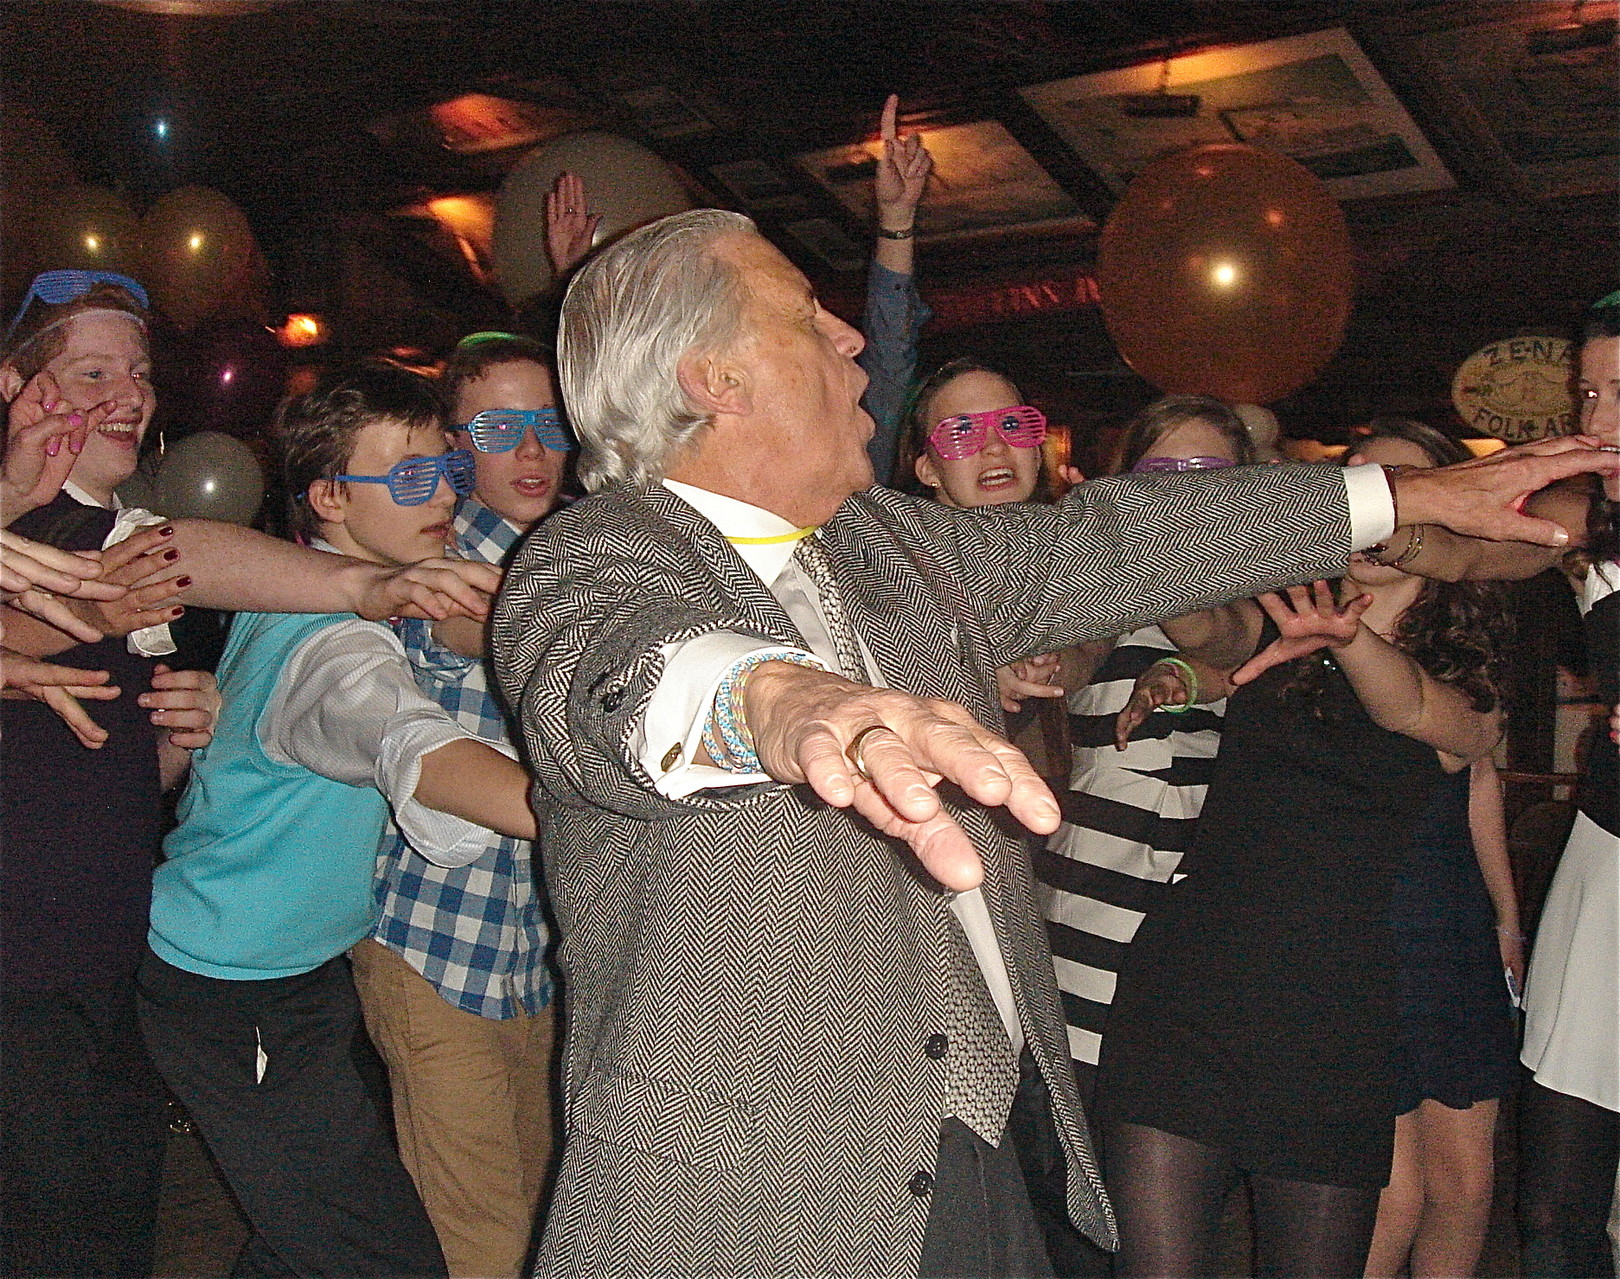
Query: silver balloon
<point x="138" y="490"/>
<point x="209" y="475"/>
<point x="1263" y="430"/>
<point x="624" y="182"/>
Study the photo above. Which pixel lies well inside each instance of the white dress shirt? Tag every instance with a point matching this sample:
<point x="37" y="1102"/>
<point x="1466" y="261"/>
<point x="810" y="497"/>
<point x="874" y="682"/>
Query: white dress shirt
<point x="690" y="678"/>
<point x="347" y="707"/>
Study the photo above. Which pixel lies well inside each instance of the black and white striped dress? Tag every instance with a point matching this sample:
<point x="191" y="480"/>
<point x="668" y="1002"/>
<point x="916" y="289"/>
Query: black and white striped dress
<point x="1127" y="819"/>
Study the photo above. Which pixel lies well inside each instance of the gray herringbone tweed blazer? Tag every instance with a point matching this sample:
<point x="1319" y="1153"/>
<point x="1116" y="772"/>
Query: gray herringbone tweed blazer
<point x="747" y="1091"/>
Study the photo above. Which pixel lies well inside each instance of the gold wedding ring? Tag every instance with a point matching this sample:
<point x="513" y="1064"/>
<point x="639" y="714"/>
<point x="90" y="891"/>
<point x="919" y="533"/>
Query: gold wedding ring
<point x="856" y="750"/>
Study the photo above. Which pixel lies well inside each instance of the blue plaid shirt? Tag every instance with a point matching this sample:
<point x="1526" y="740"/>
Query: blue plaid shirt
<point x="475" y="932"/>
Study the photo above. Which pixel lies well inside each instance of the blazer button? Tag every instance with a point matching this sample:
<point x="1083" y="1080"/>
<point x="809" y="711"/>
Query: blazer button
<point x="613" y="700"/>
<point x="936" y="1046"/>
<point x="920" y="1184"/>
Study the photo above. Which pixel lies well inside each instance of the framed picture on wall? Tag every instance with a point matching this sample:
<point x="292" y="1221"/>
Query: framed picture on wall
<point x="1538" y="114"/>
<point x="1315" y="98"/>
<point x="984" y="182"/>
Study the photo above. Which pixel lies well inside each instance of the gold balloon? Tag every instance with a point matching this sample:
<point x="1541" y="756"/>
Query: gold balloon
<point x="198" y="251"/>
<point x="1226" y="270"/>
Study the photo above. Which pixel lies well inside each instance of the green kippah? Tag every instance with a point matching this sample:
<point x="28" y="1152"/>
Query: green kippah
<point x="489" y="335"/>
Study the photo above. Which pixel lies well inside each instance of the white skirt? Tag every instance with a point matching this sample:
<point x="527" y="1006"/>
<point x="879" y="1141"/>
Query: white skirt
<point x="1572" y="996"/>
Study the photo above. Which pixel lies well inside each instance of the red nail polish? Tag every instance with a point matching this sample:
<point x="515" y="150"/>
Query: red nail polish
<point x="171" y="555"/>
<point x="176" y="611"/>
<point x="53" y="448"/>
<point x="166" y="531"/>
<point x="75" y="419"/>
<point x="182" y="582"/>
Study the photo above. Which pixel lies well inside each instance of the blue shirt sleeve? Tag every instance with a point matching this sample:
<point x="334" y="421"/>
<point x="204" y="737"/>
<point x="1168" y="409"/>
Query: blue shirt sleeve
<point x="895" y="314"/>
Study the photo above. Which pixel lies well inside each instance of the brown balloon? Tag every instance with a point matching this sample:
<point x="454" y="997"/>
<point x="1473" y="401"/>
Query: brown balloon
<point x="33" y="170"/>
<point x="1226" y="270"/>
<point x="198" y="251"/>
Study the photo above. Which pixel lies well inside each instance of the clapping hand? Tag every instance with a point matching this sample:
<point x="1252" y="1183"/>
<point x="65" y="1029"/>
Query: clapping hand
<point x="1306" y="622"/>
<point x="570" y="228"/>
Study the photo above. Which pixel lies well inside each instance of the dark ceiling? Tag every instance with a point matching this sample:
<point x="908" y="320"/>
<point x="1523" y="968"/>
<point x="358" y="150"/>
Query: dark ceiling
<point x="309" y="113"/>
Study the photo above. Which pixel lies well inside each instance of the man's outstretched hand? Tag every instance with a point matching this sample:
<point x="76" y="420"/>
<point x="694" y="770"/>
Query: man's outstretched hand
<point x="1485" y="497"/>
<point x="804" y="721"/>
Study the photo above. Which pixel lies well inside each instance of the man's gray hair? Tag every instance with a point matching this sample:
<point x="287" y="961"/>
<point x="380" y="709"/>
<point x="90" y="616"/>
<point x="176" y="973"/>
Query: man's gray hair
<point x="631" y="315"/>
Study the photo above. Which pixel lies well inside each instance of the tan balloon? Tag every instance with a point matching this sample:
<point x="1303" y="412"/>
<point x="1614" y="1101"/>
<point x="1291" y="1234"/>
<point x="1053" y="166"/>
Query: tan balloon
<point x="624" y="182"/>
<point x="197" y="248"/>
<point x="86" y="227"/>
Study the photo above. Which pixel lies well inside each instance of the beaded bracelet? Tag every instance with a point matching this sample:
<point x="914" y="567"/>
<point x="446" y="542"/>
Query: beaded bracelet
<point x="726" y="736"/>
<point x="1189" y="680"/>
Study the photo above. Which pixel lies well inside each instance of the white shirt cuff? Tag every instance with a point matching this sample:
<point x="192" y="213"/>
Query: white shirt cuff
<point x="445" y="840"/>
<point x="149" y="641"/>
<point x="1372" y="509"/>
<point x="670" y="736"/>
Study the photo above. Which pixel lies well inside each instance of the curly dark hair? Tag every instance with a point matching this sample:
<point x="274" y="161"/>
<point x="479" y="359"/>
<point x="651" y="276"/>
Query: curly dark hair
<point x="1456" y="631"/>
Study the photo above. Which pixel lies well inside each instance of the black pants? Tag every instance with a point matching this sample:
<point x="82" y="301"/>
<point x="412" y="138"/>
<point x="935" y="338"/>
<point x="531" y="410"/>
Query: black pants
<point x="299" y="1138"/>
<point x="82" y="1135"/>
<point x="1000" y="1211"/>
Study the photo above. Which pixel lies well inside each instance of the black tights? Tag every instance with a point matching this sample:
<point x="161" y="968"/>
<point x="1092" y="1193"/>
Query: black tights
<point x="1567" y="1154"/>
<point x="1168" y="1193"/>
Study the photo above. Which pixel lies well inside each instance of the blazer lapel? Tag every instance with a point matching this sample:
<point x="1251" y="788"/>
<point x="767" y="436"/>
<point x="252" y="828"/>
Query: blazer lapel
<point x="912" y="627"/>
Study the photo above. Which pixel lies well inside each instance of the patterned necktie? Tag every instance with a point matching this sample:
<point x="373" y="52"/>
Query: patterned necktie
<point x="812" y="558"/>
<point x="982" y="1076"/>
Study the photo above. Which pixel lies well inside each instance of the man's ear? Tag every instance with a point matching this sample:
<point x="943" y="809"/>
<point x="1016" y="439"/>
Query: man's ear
<point x="714" y="384"/>
<point x="11" y="383"/>
<point x="325" y="499"/>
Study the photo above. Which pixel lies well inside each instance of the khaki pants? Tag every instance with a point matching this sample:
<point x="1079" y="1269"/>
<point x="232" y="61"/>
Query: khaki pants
<point x="473" y="1108"/>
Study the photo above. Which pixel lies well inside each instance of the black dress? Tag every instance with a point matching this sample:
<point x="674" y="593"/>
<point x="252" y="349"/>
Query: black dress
<point x="1458" y="1040"/>
<point x="1255" y="1013"/>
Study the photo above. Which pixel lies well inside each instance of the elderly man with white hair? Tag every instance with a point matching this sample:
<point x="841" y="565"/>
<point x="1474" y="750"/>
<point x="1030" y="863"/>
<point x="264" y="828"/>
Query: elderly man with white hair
<point x="812" y="1024"/>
